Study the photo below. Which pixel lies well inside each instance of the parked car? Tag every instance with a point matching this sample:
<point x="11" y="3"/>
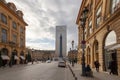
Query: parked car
<point x="61" y="64"/>
<point x="48" y="61"/>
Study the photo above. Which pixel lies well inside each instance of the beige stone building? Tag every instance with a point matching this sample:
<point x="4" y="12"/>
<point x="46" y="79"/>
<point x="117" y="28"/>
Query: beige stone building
<point x="12" y="34"/>
<point x="72" y="55"/>
<point x="102" y="33"/>
<point x="42" y="54"/>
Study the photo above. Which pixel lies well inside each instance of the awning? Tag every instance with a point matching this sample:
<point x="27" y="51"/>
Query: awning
<point x="15" y="57"/>
<point x="112" y="47"/>
<point x="22" y="57"/>
<point x="5" y="57"/>
<point x="115" y="47"/>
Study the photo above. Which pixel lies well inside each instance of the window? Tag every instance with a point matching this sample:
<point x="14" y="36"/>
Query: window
<point x="21" y="30"/>
<point x="14" y="37"/>
<point x="4" y="35"/>
<point x="90" y="27"/>
<point x="3" y="18"/>
<point x="98" y="17"/>
<point x="14" y="25"/>
<point x="115" y="5"/>
<point x="21" y="42"/>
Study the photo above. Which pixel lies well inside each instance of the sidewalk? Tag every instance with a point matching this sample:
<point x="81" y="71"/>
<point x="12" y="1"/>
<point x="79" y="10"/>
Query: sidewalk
<point x="68" y="74"/>
<point x="97" y="75"/>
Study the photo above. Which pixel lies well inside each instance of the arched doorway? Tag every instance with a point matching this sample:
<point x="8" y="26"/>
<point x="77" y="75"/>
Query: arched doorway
<point x="110" y="54"/>
<point x="14" y="57"/>
<point x="4" y="56"/>
<point x="95" y="50"/>
<point x="22" y="58"/>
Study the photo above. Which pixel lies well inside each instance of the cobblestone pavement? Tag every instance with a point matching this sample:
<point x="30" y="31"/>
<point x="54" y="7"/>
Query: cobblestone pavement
<point x="97" y="75"/>
<point x="36" y="71"/>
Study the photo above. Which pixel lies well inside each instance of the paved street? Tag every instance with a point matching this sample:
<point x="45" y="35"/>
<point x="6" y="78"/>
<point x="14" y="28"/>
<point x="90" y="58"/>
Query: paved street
<point x="41" y="71"/>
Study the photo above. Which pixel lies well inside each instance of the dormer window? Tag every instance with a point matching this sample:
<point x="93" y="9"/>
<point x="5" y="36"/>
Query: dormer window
<point x="12" y="6"/>
<point x="19" y="13"/>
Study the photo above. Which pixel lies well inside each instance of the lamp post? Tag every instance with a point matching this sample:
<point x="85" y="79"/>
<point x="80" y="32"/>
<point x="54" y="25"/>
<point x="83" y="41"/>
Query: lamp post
<point x="72" y="52"/>
<point x="72" y="44"/>
<point x="32" y="55"/>
<point x="83" y="21"/>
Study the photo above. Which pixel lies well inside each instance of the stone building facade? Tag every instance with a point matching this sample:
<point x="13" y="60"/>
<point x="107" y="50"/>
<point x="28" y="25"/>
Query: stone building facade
<point x="42" y="55"/>
<point x="12" y="34"/>
<point x="72" y="55"/>
<point x="103" y="19"/>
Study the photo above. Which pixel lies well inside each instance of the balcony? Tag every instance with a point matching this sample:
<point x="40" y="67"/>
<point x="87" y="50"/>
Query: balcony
<point x="12" y="44"/>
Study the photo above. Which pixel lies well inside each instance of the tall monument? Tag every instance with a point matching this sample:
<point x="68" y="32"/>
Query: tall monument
<point x="61" y="39"/>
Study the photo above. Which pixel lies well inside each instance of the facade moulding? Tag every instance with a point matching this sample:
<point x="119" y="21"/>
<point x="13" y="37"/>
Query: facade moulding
<point x="12" y="12"/>
<point x="107" y="22"/>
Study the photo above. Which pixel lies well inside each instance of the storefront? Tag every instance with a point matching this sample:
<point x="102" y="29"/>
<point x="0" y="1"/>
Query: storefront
<point x="111" y="55"/>
<point x="22" y="58"/>
<point x="4" y="58"/>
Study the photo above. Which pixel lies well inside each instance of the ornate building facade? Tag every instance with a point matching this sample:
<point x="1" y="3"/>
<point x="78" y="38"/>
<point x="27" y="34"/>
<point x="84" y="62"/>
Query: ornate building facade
<point x="12" y="34"/>
<point x="72" y="55"/>
<point x="42" y="55"/>
<point x="103" y="20"/>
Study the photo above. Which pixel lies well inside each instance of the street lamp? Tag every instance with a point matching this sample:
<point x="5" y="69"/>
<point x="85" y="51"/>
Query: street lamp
<point x="83" y="21"/>
<point x="32" y="55"/>
<point x="72" y="44"/>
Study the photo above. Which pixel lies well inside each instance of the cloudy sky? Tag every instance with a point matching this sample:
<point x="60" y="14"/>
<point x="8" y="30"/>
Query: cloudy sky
<point x="43" y="15"/>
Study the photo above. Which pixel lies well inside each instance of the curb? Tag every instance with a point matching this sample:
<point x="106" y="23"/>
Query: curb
<point x="72" y="73"/>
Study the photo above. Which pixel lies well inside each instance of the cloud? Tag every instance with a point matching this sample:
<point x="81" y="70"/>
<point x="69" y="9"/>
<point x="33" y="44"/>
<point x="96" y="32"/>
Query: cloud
<point x="43" y="16"/>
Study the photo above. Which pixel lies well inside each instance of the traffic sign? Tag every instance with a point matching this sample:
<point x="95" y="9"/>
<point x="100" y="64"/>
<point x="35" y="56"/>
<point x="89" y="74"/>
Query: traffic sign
<point x="83" y="42"/>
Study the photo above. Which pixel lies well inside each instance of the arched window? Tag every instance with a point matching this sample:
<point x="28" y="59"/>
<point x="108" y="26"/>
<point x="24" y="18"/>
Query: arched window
<point x="110" y="39"/>
<point x="4" y="18"/>
<point x="14" y="25"/>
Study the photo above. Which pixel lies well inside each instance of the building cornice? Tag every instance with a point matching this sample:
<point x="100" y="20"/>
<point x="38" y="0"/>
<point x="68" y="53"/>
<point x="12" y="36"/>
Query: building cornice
<point x="12" y="12"/>
<point x="80" y="11"/>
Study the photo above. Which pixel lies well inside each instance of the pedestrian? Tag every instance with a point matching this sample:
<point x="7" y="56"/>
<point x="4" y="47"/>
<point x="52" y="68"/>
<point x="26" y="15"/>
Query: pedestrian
<point x="88" y="71"/>
<point x="97" y="65"/>
<point x="72" y="63"/>
<point x="112" y="67"/>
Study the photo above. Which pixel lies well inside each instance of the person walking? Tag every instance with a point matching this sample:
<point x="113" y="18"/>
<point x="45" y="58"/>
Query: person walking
<point x="88" y="71"/>
<point x="72" y="63"/>
<point x="97" y="65"/>
<point x="112" y="67"/>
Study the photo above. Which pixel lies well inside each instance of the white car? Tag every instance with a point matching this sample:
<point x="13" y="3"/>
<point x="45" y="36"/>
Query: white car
<point x="61" y="64"/>
<point x="48" y="61"/>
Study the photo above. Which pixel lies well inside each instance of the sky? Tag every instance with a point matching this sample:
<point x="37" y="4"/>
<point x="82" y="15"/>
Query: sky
<point x="42" y="16"/>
